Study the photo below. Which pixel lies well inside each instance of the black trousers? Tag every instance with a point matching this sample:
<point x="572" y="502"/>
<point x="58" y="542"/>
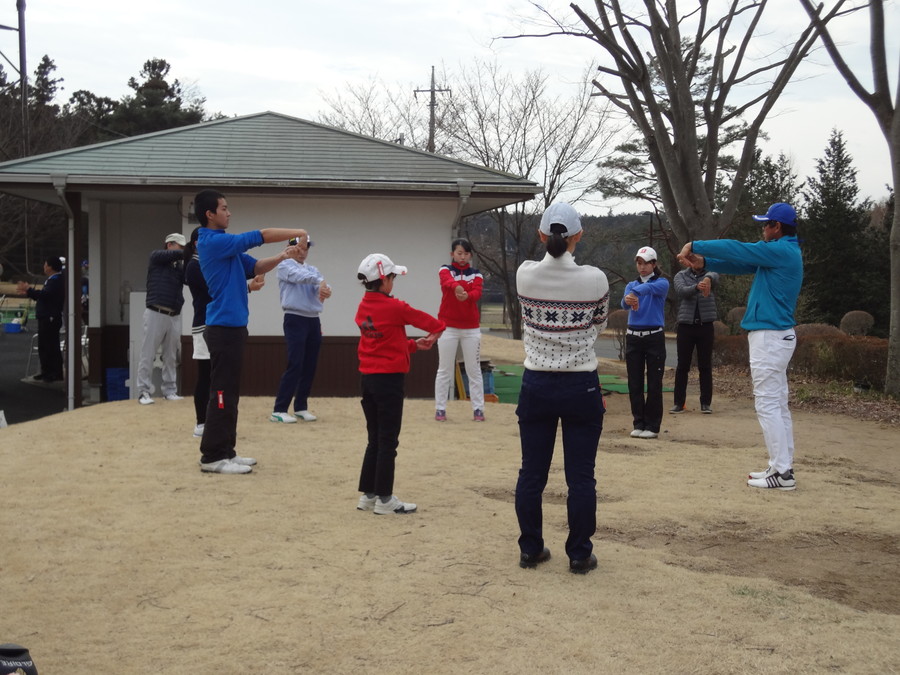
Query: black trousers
<point x="226" y="352"/>
<point x="699" y="336"/>
<point x="201" y="390"/>
<point x="382" y="403"/>
<point x="49" y="352"/>
<point x="646" y="354"/>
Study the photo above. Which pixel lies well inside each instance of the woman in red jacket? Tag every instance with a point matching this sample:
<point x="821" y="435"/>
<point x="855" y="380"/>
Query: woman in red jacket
<point x="460" y="292"/>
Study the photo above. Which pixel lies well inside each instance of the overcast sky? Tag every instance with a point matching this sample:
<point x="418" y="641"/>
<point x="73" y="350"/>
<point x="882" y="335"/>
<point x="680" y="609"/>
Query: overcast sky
<point x="284" y="55"/>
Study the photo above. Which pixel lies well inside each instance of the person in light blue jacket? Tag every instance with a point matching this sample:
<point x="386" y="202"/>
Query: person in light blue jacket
<point x="302" y="289"/>
<point x="769" y="319"/>
<point x="645" y="343"/>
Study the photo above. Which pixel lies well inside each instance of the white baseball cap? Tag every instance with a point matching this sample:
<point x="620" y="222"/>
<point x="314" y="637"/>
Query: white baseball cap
<point x="377" y="266"/>
<point x="177" y="238"/>
<point x="565" y="215"/>
<point x="646" y="253"/>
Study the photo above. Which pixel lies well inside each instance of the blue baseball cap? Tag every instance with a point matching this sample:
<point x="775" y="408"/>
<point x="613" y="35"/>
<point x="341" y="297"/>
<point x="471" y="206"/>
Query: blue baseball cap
<point x="780" y="212"/>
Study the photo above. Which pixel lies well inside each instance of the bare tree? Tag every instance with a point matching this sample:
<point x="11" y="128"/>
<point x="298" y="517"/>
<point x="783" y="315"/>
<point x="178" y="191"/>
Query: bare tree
<point x="375" y="109"/>
<point x="885" y="110"/>
<point x="687" y="83"/>
<point x="514" y="124"/>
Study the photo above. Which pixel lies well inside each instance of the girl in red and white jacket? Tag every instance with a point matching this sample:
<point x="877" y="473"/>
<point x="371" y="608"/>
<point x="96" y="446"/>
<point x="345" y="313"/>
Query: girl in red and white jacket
<point x="461" y="286"/>
<point x="384" y="353"/>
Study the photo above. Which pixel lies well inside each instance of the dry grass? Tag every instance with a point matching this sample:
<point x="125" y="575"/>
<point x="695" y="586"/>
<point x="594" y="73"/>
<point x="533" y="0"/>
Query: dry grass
<point x="120" y="556"/>
<point x="813" y="395"/>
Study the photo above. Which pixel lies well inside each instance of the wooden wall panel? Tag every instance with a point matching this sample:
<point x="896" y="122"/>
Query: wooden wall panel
<point x="337" y="373"/>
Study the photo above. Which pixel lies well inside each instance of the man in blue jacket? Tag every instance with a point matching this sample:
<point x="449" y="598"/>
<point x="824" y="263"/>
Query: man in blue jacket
<point x="226" y="268"/>
<point x="778" y="265"/>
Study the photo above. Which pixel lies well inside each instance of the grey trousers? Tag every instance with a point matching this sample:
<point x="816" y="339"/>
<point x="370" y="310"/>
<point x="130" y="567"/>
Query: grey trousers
<point x="159" y="330"/>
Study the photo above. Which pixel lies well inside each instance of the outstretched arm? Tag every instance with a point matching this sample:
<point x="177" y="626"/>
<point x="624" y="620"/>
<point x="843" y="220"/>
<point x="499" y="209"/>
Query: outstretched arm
<point x="272" y="235"/>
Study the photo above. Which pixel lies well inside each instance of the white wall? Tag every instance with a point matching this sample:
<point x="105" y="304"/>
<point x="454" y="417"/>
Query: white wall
<point x="412" y="232"/>
<point x="415" y="233"/>
<point x="129" y="233"/>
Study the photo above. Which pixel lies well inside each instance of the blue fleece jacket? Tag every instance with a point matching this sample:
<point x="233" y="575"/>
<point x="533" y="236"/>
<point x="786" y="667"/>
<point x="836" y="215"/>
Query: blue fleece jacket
<point x="778" y="266"/>
<point x="651" y="302"/>
<point x="226" y="269"/>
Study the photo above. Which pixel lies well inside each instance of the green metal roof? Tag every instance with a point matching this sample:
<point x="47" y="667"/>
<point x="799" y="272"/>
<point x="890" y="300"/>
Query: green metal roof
<point x="267" y="150"/>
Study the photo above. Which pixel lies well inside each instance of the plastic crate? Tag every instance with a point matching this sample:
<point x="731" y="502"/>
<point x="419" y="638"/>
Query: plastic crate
<point x="487" y="377"/>
<point x="115" y="384"/>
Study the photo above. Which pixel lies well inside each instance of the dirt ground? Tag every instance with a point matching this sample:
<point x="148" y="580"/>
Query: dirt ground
<point x="120" y="556"/>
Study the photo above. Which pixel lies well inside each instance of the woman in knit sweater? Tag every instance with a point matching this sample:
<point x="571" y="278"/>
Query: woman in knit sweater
<point x="564" y="307"/>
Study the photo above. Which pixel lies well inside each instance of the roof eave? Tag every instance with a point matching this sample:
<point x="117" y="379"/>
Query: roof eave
<point x="41" y="187"/>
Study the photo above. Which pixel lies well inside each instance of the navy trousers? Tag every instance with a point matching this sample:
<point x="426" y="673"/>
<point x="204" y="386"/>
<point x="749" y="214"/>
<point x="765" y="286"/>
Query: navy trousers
<point x="575" y="400"/>
<point x="49" y="353"/>
<point x="303" y="336"/>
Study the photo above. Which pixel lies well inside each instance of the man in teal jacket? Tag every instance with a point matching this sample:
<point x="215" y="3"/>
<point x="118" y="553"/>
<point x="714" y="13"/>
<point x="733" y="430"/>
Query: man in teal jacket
<point x="769" y="319"/>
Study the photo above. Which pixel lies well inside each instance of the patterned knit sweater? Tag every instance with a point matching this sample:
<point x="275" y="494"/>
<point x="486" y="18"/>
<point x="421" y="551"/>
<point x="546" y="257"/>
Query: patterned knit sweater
<point x="564" y="307"/>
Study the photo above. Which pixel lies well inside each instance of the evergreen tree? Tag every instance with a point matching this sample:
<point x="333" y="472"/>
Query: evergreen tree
<point x="770" y="180"/>
<point x="835" y="239"/>
<point x="156" y="103"/>
<point x="875" y="292"/>
<point x="29" y="230"/>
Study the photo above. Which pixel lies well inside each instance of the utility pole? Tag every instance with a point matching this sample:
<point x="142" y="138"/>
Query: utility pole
<point x="23" y="73"/>
<point x="433" y="104"/>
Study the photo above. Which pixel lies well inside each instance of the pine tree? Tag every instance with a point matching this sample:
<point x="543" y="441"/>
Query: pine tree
<point x="770" y="180"/>
<point x="834" y="237"/>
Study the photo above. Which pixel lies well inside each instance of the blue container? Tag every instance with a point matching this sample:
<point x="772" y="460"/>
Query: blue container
<point x="487" y="378"/>
<point x="115" y="384"/>
<point x="12" y="328"/>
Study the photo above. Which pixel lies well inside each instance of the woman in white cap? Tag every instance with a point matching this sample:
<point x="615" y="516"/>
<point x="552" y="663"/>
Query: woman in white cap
<point x="564" y="307"/>
<point x="645" y="343"/>
<point x="383" y="354"/>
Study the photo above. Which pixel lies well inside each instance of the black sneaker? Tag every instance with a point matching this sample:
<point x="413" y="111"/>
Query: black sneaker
<point x="530" y="561"/>
<point x="706" y="410"/>
<point x="676" y="410"/>
<point x="583" y="566"/>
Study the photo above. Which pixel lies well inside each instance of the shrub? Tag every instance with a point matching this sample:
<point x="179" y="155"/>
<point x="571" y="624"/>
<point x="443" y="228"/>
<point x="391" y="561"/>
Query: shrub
<point x="805" y="330"/>
<point x="720" y="329"/>
<point x="733" y="319"/>
<point x="857" y="323"/>
<point x="858" y="359"/>
<point x="731" y="350"/>
<point x="825" y="355"/>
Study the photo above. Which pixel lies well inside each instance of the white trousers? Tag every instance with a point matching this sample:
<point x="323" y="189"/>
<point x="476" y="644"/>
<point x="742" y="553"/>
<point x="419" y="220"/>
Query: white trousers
<point x="159" y="330"/>
<point x="770" y="353"/>
<point x="470" y="341"/>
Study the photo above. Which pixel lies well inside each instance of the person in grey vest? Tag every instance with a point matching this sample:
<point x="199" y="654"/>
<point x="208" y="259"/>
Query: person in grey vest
<point x="695" y="289"/>
<point x="162" y="320"/>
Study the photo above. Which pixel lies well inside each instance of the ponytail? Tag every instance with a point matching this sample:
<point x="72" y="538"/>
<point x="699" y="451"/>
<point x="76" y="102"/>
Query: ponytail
<point x="556" y="242"/>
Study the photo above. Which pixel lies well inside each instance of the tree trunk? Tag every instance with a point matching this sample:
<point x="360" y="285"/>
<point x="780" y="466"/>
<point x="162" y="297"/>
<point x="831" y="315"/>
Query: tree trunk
<point x="892" y="374"/>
